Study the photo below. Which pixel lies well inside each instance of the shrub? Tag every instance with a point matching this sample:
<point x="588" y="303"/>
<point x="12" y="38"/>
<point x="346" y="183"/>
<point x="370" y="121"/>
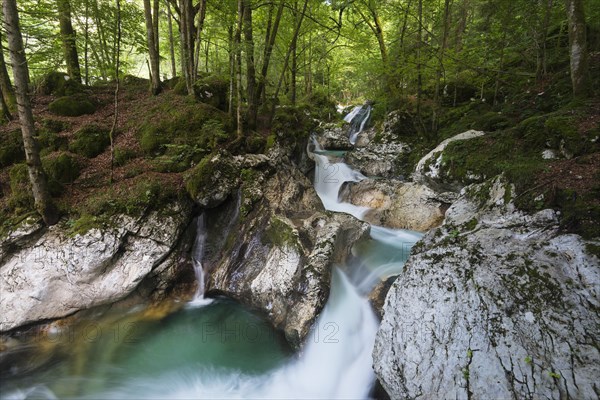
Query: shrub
<point x="90" y="140"/>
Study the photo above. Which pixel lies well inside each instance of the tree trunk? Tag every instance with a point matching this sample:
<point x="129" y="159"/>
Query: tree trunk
<point x="287" y="56"/>
<point x="171" y="41"/>
<point x="419" y="45"/>
<point x="67" y="34"/>
<point x="186" y="22"/>
<point x="270" y="43"/>
<point x="5" y="114"/>
<point x="116" y="98"/>
<point x="250" y="68"/>
<point x="86" y="43"/>
<point x="151" y="36"/>
<point x="201" y="17"/>
<point x="8" y="92"/>
<point x="43" y="202"/>
<point x="578" y="48"/>
<point x="237" y="46"/>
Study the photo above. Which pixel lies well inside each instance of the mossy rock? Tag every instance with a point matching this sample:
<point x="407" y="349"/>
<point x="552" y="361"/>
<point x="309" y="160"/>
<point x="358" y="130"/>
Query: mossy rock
<point x="180" y="87"/>
<point x="55" y="125"/>
<point x="58" y="84"/>
<point x="21" y="198"/>
<point x="71" y="106"/>
<point x="211" y="181"/>
<point x="11" y="148"/>
<point x="62" y="167"/>
<point x="178" y="158"/>
<point x="212" y="90"/>
<point x="187" y="123"/>
<point x="49" y="141"/>
<point x="562" y="130"/>
<point x="255" y="144"/>
<point x="90" y="140"/>
<point x="491" y="121"/>
<point x="280" y="233"/>
<point x="133" y="80"/>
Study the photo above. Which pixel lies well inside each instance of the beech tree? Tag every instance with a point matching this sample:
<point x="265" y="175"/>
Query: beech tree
<point x="67" y="34"/>
<point x="151" y="17"/>
<point x="578" y="47"/>
<point x="43" y="202"/>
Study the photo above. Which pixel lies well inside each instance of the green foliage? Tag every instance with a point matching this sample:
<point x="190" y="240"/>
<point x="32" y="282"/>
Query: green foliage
<point x="55" y="125"/>
<point x="187" y="123"/>
<point x="11" y="147"/>
<point x="49" y="141"/>
<point x="71" y="106"/>
<point x="90" y="140"/>
<point x="255" y="143"/>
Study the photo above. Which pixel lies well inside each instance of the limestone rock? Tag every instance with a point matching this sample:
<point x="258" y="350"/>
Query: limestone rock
<point x="395" y="204"/>
<point x="493" y="304"/>
<point x="429" y="169"/>
<point x="55" y="275"/>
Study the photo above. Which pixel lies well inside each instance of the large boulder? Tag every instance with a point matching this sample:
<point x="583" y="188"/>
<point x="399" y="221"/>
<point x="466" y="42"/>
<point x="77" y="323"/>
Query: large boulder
<point x="494" y="304"/>
<point x="430" y="169"/>
<point x="398" y="205"/>
<point x="48" y="274"/>
<point x="277" y="251"/>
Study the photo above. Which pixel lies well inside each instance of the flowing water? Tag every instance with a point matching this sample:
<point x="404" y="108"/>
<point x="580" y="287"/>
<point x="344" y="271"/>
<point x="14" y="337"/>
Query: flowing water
<point x="216" y="348"/>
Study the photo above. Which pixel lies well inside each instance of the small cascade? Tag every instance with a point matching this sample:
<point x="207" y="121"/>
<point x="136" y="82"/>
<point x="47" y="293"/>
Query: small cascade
<point x="197" y="255"/>
<point x="329" y="178"/>
<point x="357" y="119"/>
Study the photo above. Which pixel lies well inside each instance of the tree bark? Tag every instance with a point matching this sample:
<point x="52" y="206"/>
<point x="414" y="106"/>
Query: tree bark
<point x="237" y="46"/>
<point x="8" y="92"/>
<point x="67" y="34"/>
<point x="200" y="27"/>
<point x="270" y="43"/>
<point x="151" y="38"/>
<point x="578" y="48"/>
<point x="252" y="98"/>
<point x="41" y="196"/>
<point x="171" y="41"/>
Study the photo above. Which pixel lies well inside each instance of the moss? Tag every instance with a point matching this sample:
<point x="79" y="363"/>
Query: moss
<point x="58" y="84"/>
<point x="49" y="141"/>
<point x="270" y="142"/>
<point x="21" y="199"/>
<point x="212" y="90"/>
<point x="471" y="224"/>
<point x="187" y="123"/>
<point x="200" y="177"/>
<point x="593" y="249"/>
<point x="63" y="168"/>
<point x="255" y="144"/>
<point x="562" y="129"/>
<point x="123" y="155"/>
<point x="90" y="140"/>
<point x="71" y="106"/>
<point x="491" y="121"/>
<point x="180" y="88"/>
<point x="279" y="234"/>
<point x="85" y="223"/>
<point x="11" y="148"/>
<point x="55" y="125"/>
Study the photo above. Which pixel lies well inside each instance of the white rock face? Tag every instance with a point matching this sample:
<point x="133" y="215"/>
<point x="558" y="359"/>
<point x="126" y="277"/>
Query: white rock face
<point x="55" y="275"/>
<point x="493" y="304"/>
<point x="428" y="168"/>
<point x="399" y="205"/>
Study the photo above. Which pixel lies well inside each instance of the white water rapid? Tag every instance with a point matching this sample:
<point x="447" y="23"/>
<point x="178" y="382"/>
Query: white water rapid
<point x="357" y="119"/>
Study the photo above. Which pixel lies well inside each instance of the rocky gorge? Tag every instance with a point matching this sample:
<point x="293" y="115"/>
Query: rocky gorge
<point x="492" y="302"/>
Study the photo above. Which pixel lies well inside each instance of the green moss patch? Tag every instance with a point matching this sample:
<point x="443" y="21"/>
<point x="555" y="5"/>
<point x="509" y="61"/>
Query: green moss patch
<point x="58" y="84"/>
<point x="90" y="140"/>
<point x="62" y="167"/>
<point x="11" y="148"/>
<point x="71" y="106"/>
<point x="212" y="90"/>
<point x="280" y="233"/>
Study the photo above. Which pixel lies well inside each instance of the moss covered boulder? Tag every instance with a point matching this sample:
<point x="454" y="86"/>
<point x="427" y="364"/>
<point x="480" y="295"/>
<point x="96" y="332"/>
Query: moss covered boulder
<point x="71" y="106"/>
<point x="58" y="84"/>
<point x="90" y="140"/>
<point x="62" y="167"/>
<point x="212" y="90"/>
<point x="11" y="148"/>
<point x="213" y="180"/>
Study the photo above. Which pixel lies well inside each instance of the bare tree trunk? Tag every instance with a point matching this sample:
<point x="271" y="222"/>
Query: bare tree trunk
<point x="269" y="44"/>
<point x="171" y="41"/>
<point x="237" y="43"/>
<point x="8" y="92"/>
<point x="439" y="71"/>
<point x="419" y="45"/>
<point x="151" y="37"/>
<point x="201" y="17"/>
<point x="67" y="34"/>
<point x="41" y="196"/>
<point x="113" y="129"/>
<point x="5" y="114"/>
<point x="287" y="56"/>
<point x="250" y="68"/>
<point x="86" y="44"/>
<point x="578" y="48"/>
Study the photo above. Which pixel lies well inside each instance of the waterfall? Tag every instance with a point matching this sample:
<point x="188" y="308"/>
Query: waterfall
<point x="197" y="256"/>
<point x="329" y="178"/>
<point x="357" y="119"/>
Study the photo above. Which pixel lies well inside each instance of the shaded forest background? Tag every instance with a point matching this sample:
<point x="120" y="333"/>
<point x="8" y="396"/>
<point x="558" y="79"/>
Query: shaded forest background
<point x="134" y="95"/>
